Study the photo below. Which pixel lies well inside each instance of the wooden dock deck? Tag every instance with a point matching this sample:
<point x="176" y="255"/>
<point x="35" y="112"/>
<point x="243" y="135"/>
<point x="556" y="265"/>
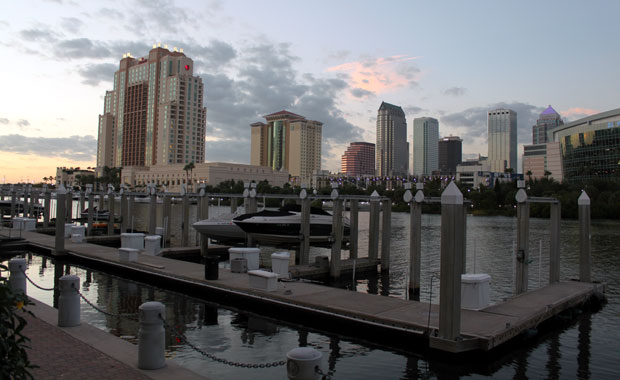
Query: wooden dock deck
<point x="482" y="330"/>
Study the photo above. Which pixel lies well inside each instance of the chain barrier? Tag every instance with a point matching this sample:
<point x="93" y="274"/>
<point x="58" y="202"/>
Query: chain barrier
<point x="182" y="339"/>
<point x="131" y="317"/>
<point x="324" y="376"/>
<point x="37" y="286"/>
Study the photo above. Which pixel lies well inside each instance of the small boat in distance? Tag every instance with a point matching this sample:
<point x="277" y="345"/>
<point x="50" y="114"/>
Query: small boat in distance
<point x="97" y="214"/>
<point x="282" y="227"/>
<point x="222" y="229"/>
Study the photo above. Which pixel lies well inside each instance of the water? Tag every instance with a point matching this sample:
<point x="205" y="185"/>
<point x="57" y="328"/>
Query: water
<point x="585" y="347"/>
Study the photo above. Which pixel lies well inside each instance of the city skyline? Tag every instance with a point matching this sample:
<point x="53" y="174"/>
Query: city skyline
<point x="61" y="57"/>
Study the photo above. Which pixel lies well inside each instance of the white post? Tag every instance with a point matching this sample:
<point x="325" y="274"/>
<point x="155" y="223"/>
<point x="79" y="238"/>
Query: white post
<point x="17" y="277"/>
<point x="302" y="363"/>
<point x="151" y="336"/>
<point x="69" y="301"/>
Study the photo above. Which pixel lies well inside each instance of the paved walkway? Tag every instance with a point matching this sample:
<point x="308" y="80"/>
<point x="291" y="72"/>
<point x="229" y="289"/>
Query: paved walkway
<point x="59" y="355"/>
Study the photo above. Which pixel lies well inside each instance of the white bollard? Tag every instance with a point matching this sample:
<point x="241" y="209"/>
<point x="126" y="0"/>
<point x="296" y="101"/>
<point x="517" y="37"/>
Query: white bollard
<point x="152" y="245"/>
<point x="151" y="336"/>
<point x="128" y="255"/>
<point x="279" y="264"/>
<point x="69" y="301"/>
<point x="17" y="279"/>
<point x="68" y="227"/>
<point x="303" y="363"/>
<point x="132" y="240"/>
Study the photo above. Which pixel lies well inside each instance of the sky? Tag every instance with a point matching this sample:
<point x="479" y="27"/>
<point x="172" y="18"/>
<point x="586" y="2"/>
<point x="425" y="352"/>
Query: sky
<point x="334" y="61"/>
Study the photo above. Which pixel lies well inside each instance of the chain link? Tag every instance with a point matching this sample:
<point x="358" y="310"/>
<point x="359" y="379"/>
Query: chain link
<point x="181" y="338"/>
<point x="324" y="376"/>
<point x="37" y="286"/>
<point x="131" y="317"/>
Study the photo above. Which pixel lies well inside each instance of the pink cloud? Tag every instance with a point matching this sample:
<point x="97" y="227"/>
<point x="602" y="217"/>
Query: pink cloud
<point x="578" y="112"/>
<point x="379" y="75"/>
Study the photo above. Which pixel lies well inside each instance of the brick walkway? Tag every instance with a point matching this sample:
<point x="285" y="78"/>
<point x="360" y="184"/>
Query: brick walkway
<point x="61" y="356"/>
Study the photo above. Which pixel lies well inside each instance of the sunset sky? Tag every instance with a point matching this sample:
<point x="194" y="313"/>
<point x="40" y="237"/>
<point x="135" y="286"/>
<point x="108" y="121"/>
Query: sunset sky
<point x="333" y="61"/>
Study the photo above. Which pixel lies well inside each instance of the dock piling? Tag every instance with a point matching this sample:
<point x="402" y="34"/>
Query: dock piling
<point x="304" y="247"/>
<point x="152" y="209"/>
<point x="451" y="263"/>
<point x="353" y="228"/>
<point x="167" y="212"/>
<point x="61" y="196"/>
<point x="69" y="206"/>
<point x="386" y="227"/>
<point x="17" y="277"/>
<point x="334" y="263"/>
<point x="124" y="213"/>
<point x="111" y="210"/>
<point x="585" y="259"/>
<point x="69" y="301"/>
<point x="523" y="234"/>
<point x="373" y="226"/>
<point x="46" y="207"/>
<point x="185" y="214"/>
<point x="151" y="336"/>
<point x="415" y="241"/>
<point x="554" y="249"/>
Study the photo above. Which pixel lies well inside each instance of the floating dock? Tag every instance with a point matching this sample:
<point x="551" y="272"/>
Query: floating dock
<point x="379" y="316"/>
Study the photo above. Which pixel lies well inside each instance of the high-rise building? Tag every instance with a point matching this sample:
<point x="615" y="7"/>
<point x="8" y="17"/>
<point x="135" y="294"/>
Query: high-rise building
<point x="542" y="160"/>
<point x="287" y="142"/>
<point x="450" y="154"/>
<point x="359" y="159"/>
<point x="155" y="113"/>
<point x="391" y="149"/>
<point x="425" y="145"/>
<point x="548" y="120"/>
<point x="502" y="129"/>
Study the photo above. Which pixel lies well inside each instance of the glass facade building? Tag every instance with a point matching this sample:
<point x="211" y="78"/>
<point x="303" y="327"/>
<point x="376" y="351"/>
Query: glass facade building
<point x="392" y="150"/>
<point x="548" y="120"/>
<point x="502" y="133"/>
<point x="590" y="147"/>
<point x="425" y="146"/>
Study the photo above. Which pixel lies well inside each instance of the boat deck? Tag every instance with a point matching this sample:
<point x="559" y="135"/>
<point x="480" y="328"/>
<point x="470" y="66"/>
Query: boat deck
<point x="480" y="330"/>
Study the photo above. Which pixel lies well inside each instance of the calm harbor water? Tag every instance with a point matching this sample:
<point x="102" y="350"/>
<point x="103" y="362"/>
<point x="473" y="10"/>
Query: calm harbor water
<point x="584" y="348"/>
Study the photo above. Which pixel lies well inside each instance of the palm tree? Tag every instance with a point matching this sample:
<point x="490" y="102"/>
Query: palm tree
<point x="547" y="174"/>
<point x="188" y="170"/>
<point x="529" y="175"/>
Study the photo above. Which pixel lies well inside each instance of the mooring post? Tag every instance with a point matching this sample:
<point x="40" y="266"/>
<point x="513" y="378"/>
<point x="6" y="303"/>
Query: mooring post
<point x="554" y="248"/>
<point x="203" y="211"/>
<point x="61" y="195"/>
<point x="151" y="336"/>
<point x="415" y="238"/>
<point x="25" y="204"/>
<point x="233" y="204"/>
<point x="110" y="210"/>
<point x="451" y="262"/>
<point x="91" y="205"/>
<point x="585" y="259"/>
<point x="13" y="202"/>
<point x="246" y="196"/>
<point x="47" y="203"/>
<point x="69" y="301"/>
<point x="334" y="267"/>
<point x="17" y="275"/>
<point x="31" y="201"/>
<point x="304" y="247"/>
<point x="353" y="228"/>
<point x="69" y="209"/>
<point x="185" y="213"/>
<point x="101" y="201"/>
<point x="253" y="201"/>
<point x="124" y="213"/>
<point x="386" y="230"/>
<point x="373" y="226"/>
<point x="166" y="217"/>
<point x="81" y="202"/>
<point x="523" y="234"/>
<point x="152" y="223"/>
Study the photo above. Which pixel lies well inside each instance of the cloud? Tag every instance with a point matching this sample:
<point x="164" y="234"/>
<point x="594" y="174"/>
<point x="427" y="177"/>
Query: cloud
<point x="71" y="24"/>
<point x="265" y="81"/>
<point x="455" y="91"/>
<point x="576" y="113"/>
<point x="95" y="73"/>
<point x="23" y="123"/>
<point x="360" y="93"/>
<point x="380" y="75"/>
<point x="111" y="14"/>
<point x="81" y="48"/>
<point x="472" y="122"/>
<point x="412" y="110"/>
<point x="160" y="17"/>
<point x="42" y="34"/>
<point x="4" y="120"/>
<point x="80" y="148"/>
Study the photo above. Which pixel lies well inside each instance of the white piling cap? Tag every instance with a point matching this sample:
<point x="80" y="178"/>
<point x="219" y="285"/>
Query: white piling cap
<point x="584" y="199"/>
<point x="374" y="194"/>
<point x="452" y="195"/>
<point x="304" y="354"/>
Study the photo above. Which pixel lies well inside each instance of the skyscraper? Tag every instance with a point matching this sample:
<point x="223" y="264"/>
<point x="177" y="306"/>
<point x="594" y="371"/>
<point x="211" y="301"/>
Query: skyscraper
<point x="391" y="149"/>
<point x="502" y="129"/>
<point x="154" y="114"/>
<point x="287" y="142"/>
<point x="425" y="145"/>
<point x="359" y="159"/>
<point x="547" y="120"/>
<point x="450" y="154"/>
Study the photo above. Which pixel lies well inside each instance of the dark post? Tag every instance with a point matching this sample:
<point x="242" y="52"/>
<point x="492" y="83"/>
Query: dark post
<point x="554" y="249"/>
<point x="353" y="228"/>
<point x="373" y="226"/>
<point x="386" y="228"/>
<point x="91" y="205"/>
<point x="584" y="237"/>
<point x="47" y="203"/>
<point x="59" y="246"/>
<point x="451" y="263"/>
<point x="69" y="210"/>
<point x="304" y="247"/>
<point x="124" y="213"/>
<point x="523" y="234"/>
<point x="111" y="210"/>
<point x="334" y="268"/>
<point x="152" y="209"/>
<point x="185" y="223"/>
<point x="415" y="242"/>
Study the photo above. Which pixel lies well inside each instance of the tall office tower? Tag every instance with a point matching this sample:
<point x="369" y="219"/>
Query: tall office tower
<point x="450" y="154"/>
<point x="502" y="129"/>
<point x="154" y="114"/>
<point x="548" y="120"/>
<point x="391" y="149"/>
<point x="287" y="142"/>
<point x="359" y="159"/>
<point x="425" y="145"/>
